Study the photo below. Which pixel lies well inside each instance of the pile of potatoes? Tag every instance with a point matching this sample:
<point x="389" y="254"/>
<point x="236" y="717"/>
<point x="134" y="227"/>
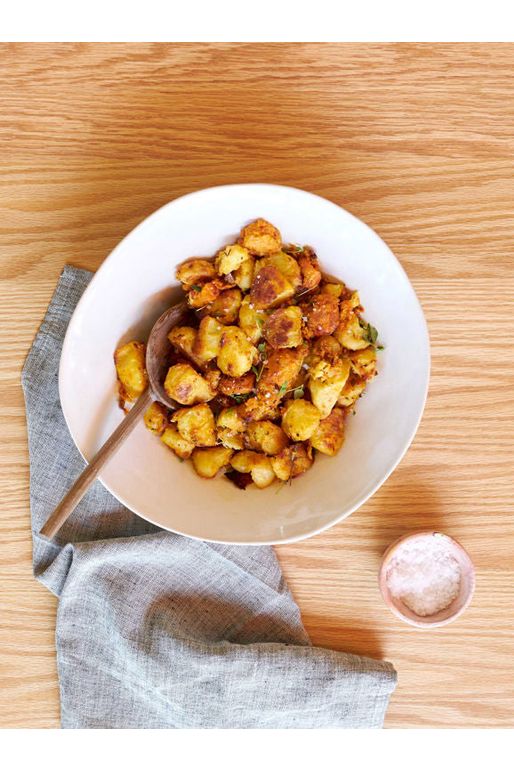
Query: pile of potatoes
<point x="274" y="358"/>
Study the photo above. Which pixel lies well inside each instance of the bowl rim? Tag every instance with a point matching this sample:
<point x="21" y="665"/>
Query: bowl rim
<point x="233" y="187"/>
<point x="387" y="597"/>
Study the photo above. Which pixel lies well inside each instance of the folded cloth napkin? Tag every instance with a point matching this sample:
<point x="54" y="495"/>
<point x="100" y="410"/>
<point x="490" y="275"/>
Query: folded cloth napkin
<point x="157" y="630"/>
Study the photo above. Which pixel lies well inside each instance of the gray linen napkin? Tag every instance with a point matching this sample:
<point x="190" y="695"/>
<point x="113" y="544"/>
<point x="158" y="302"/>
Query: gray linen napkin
<point x="156" y="630"/>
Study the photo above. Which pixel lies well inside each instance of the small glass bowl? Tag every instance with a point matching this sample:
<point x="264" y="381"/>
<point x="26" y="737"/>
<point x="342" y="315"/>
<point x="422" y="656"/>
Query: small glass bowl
<point x="456" y="607"/>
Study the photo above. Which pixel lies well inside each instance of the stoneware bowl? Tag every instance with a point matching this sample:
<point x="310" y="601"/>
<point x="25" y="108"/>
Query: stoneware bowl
<point x="137" y="282"/>
<point x="458" y="605"/>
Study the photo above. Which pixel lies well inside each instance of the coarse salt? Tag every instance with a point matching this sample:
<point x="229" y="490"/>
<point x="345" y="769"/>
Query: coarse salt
<point x="424" y="574"/>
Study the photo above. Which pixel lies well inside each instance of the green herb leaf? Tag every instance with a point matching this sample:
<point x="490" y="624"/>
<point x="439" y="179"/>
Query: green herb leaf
<point x="282" y="389"/>
<point x="239" y="398"/>
<point x="298" y="393"/>
<point x="196" y="287"/>
<point x="380" y="347"/>
<point x="260" y="322"/>
<point x="262" y="348"/>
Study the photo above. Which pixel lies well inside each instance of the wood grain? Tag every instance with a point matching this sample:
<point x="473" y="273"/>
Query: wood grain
<point x="417" y="140"/>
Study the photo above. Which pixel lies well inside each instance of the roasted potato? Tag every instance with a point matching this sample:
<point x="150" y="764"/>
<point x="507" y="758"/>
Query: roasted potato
<point x="130" y="368"/>
<point x="156" y="418"/>
<point x="230" y="258"/>
<point x="309" y="266"/>
<point x="283" y="328"/>
<point x="261" y="238"/>
<point x="326" y="382"/>
<point x="262" y="407"/>
<point x="226" y="306"/>
<point x="351" y="392"/>
<point x="326" y="347"/>
<point x="242" y="385"/>
<point x="251" y="320"/>
<point x="243" y="276"/>
<point x="286" y="264"/>
<point x="206" y="345"/>
<point x="329" y="436"/>
<point x="258" y="465"/>
<point x="320" y="314"/>
<point x="230" y="428"/>
<point x="236" y="354"/>
<point x="280" y="370"/>
<point x="208" y="462"/>
<point x="197" y="270"/>
<point x="330" y="288"/>
<point x="292" y="461"/>
<point x="203" y="295"/>
<point x="351" y="334"/>
<point x="364" y="362"/>
<point x="196" y="425"/>
<point x="174" y="440"/>
<point x="266" y="437"/>
<point x="186" y="386"/>
<point x="300" y="419"/>
<point x="270" y="288"/>
<point x="184" y="340"/>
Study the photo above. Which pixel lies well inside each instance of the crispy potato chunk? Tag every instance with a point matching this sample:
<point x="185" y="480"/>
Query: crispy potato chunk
<point x="230" y="258"/>
<point x="300" y="419"/>
<point x="329" y="436"/>
<point x="205" y="294"/>
<point x="230" y="427"/>
<point x="226" y="306"/>
<point x="351" y="392"/>
<point x="207" y="341"/>
<point x="350" y="334"/>
<point x="326" y="382"/>
<point x="270" y="288"/>
<point x="286" y="264"/>
<point x="213" y="376"/>
<point x="236" y="354"/>
<point x="331" y="288"/>
<point x="280" y="370"/>
<point x="184" y="340"/>
<point x="130" y="368"/>
<point x="196" y="425"/>
<point x="197" y="270"/>
<point x="309" y="266"/>
<point x="261" y="407"/>
<point x="251" y="320"/>
<point x="258" y="465"/>
<point x="243" y="276"/>
<point x="207" y="463"/>
<point x="261" y="237"/>
<point x="156" y="418"/>
<point x="326" y="347"/>
<point x="266" y="437"/>
<point x="241" y="385"/>
<point x="174" y="440"/>
<point x="186" y="386"/>
<point x="321" y="314"/>
<point x="364" y="362"/>
<point x="292" y="461"/>
<point x="283" y="328"/>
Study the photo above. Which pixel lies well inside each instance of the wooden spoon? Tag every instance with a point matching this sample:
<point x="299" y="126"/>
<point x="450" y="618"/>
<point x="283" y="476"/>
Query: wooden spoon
<point x="157" y="351"/>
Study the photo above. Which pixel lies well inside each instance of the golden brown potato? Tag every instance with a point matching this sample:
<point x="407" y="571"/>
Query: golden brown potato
<point x="270" y="288"/>
<point x="266" y="437"/>
<point x="213" y="376"/>
<point x="243" y="276"/>
<point x="258" y="465"/>
<point x="174" y="440"/>
<point x="197" y="270"/>
<point x="184" y="339"/>
<point x="326" y="382"/>
<point x="292" y="461"/>
<point x="207" y="340"/>
<point x="196" y="425"/>
<point x="300" y="419"/>
<point x="261" y="237"/>
<point x="280" y="370"/>
<point x="309" y="266"/>
<point x="230" y="258"/>
<point x="331" y="288"/>
<point x="285" y="263"/>
<point x="236" y="354"/>
<point x="283" y="328"/>
<point x="156" y="418"/>
<point x="207" y="463"/>
<point x="130" y="368"/>
<point x="203" y="295"/>
<point x="321" y="315"/>
<point x="186" y="386"/>
<point x="351" y="334"/>
<point x="329" y="436"/>
<point x="251" y="320"/>
<point x="226" y="306"/>
<point x="326" y="347"/>
<point x="261" y="407"/>
<point x="230" y="427"/>
<point x="364" y="362"/>
<point x="241" y="385"/>
<point x="351" y="392"/>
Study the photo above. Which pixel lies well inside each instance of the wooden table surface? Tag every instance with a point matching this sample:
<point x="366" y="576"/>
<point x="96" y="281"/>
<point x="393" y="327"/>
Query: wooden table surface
<point x="415" y="139"/>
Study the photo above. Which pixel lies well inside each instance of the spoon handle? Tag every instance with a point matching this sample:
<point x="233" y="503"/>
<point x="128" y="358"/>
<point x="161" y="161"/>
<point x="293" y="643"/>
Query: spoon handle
<point x="91" y="472"/>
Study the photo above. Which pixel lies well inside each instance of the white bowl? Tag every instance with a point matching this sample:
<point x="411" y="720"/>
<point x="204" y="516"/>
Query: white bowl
<point x="136" y="283"/>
